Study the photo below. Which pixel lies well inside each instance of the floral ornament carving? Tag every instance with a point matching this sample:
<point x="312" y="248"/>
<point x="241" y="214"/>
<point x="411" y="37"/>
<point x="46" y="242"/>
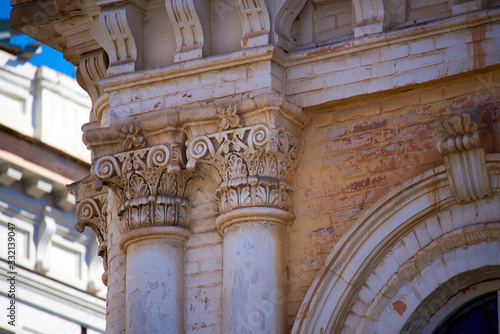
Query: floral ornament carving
<point x="131" y="137"/>
<point x="150" y="185"/>
<point x="92" y="211"/>
<point x="460" y="143"/>
<point x="227" y="117"/>
<point x="255" y="165"/>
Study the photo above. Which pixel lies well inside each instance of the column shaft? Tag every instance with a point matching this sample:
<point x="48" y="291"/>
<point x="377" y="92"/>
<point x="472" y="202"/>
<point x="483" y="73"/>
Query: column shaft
<point x="155" y="279"/>
<point x="254" y="278"/>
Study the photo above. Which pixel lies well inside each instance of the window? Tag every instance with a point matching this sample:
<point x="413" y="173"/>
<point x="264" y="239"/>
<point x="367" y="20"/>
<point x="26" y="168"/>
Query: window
<point x="479" y="315"/>
<point x="472" y="310"/>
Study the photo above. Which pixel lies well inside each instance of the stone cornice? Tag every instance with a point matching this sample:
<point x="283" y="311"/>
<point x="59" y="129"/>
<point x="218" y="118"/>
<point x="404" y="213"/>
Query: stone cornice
<point x="189" y="68"/>
<point x="155" y="128"/>
<point x="160" y="126"/>
<point x="405" y="35"/>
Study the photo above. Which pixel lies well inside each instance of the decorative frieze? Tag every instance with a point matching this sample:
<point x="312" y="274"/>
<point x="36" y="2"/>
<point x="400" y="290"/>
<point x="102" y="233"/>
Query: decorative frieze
<point x="255" y="163"/>
<point x="462" y="145"/>
<point x="148" y="183"/>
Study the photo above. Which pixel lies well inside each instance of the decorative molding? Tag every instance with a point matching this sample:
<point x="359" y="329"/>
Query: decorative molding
<point x="461" y="145"/>
<point x="121" y="31"/>
<point x="255" y="22"/>
<point x="255" y="165"/>
<point x="91" y="211"/>
<point x="284" y="20"/>
<point x="149" y="184"/>
<point x="187" y="29"/>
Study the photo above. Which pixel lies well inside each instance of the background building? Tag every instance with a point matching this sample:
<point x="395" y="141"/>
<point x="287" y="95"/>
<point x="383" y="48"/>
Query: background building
<point x="58" y="284"/>
<point x="273" y="166"/>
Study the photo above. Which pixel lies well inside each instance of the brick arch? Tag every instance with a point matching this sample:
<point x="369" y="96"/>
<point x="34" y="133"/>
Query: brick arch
<point x="372" y="262"/>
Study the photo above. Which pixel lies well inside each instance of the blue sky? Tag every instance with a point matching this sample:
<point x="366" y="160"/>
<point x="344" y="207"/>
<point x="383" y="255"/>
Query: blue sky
<point x="49" y="57"/>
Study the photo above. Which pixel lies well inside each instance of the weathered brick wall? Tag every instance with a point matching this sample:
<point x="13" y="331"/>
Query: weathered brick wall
<point x="333" y="21"/>
<point x="424" y="10"/>
<point x="357" y="151"/>
<point x="203" y="260"/>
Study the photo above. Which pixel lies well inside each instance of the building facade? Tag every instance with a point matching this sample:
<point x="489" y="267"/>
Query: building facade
<point x="275" y="166"/>
<point x="50" y="274"/>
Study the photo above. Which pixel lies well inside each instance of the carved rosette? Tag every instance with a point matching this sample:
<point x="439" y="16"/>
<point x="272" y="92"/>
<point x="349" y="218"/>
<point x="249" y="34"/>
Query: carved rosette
<point x="255" y="165"/>
<point x="150" y="185"/>
<point x="461" y="143"/>
<point x="91" y="211"/>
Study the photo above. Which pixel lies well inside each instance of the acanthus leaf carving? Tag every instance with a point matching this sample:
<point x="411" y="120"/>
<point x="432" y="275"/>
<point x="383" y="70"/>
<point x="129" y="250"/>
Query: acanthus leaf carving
<point x="187" y="29"/>
<point x="462" y="142"/>
<point x="255" y="165"/>
<point x="255" y="22"/>
<point x="91" y="211"/>
<point x="149" y="184"/>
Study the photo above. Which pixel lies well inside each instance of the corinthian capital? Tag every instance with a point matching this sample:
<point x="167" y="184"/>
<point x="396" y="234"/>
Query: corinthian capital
<point x="255" y="165"/>
<point x="149" y="184"/>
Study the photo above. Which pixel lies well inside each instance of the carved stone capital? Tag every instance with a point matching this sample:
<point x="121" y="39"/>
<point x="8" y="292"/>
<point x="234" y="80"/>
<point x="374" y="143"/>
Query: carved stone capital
<point x="462" y="142"/>
<point x="91" y="211"/>
<point x="148" y="183"/>
<point x="255" y="165"/>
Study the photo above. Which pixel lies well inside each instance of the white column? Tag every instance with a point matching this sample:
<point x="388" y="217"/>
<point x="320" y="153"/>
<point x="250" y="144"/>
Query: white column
<point x="254" y="278"/>
<point x="155" y="279"/>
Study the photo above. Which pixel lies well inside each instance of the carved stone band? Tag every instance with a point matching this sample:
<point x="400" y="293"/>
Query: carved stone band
<point x="253" y="191"/>
<point x="159" y="210"/>
<point x="259" y="215"/>
<point x="172" y="233"/>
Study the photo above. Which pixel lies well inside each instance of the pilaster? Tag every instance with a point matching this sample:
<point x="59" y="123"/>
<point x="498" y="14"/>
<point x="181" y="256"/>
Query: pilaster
<point x="255" y="161"/>
<point x="143" y="166"/>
